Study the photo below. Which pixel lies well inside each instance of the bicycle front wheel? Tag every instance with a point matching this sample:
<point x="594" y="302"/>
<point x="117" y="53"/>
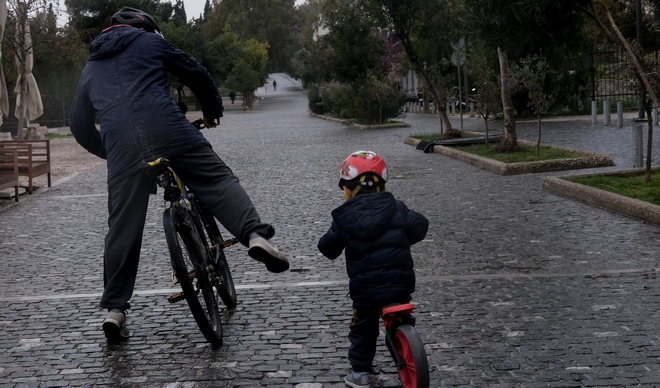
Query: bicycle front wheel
<point x="187" y="260"/>
<point x="226" y="290"/>
<point x="414" y="368"/>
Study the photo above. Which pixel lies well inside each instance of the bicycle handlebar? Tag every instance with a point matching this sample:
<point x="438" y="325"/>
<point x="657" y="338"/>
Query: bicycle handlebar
<point x="199" y="124"/>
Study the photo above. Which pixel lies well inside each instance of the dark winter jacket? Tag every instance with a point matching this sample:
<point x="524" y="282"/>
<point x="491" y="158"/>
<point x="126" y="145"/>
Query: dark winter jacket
<point x="125" y="80"/>
<point x="377" y="231"/>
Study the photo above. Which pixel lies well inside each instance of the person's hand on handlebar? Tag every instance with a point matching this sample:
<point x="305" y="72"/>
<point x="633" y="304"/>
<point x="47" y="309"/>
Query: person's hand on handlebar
<point x="210" y="123"/>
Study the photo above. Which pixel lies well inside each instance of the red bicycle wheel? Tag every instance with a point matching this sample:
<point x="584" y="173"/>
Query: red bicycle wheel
<point x="414" y="368"/>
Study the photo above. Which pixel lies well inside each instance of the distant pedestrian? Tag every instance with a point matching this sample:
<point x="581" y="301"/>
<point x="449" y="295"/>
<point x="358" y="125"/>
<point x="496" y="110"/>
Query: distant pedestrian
<point x="377" y="231"/>
<point x="232" y="96"/>
<point x="274" y="85"/>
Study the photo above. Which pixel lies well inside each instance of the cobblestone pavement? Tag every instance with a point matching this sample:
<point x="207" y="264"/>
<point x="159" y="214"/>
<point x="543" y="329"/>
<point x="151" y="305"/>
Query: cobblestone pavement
<point x="517" y="287"/>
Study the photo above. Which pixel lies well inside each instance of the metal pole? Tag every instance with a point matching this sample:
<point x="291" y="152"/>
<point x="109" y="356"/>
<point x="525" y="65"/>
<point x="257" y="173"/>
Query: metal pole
<point x="642" y="93"/>
<point x="594" y="113"/>
<point x="460" y="103"/>
<point x="606" y="113"/>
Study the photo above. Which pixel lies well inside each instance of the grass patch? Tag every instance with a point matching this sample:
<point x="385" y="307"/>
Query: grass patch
<point x="57" y="136"/>
<point x="629" y="186"/>
<point x="527" y="153"/>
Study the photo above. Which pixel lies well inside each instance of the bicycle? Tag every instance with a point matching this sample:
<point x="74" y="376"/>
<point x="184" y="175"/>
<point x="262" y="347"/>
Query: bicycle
<point x="196" y="251"/>
<point x="405" y="345"/>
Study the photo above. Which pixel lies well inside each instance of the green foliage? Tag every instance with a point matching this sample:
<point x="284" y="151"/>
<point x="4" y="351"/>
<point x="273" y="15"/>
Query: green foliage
<point x="629" y="186"/>
<point x="374" y="100"/>
<point x="526" y="154"/>
<point x="352" y="48"/>
<point x="272" y="21"/>
<point x="243" y="78"/>
<point x="531" y="73"/>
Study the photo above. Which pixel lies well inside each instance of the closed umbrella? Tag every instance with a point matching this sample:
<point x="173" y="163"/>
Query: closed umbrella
<point x="28" y="98"/>
<point x="4" y="98"/>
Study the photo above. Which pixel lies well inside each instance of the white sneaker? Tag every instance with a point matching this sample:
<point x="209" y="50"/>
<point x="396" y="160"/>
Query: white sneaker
<point x="262" y="250"/>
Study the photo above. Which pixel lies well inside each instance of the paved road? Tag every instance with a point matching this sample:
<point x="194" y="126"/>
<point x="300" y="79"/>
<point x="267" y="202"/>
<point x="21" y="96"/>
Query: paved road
<point x="517" y="287"/>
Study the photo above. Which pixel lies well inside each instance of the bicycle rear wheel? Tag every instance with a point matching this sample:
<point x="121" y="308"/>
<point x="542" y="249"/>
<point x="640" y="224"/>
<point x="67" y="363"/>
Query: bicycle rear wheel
<point x="192" y="276"/>
<point x="414" y="368"/>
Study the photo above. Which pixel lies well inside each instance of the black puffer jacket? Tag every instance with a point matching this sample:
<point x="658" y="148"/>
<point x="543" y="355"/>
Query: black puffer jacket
<point x="377" y="231"/>
<point x="125" y="80"/>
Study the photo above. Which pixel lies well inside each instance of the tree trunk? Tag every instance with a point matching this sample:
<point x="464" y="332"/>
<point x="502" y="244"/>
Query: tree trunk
<point x="649" y="144"/>
<point x="509" y="142"/>
<point x="538" y="141"/>
<point x="414" y="59"/>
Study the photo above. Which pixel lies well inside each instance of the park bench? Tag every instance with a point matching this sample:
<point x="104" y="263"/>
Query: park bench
<point x="33" y="158"/>
<point x="9" y="170"/>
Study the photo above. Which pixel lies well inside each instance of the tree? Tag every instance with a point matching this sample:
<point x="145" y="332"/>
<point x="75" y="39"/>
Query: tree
<point x="486" y="80"/>
<point x="521" y="26"/>
<point x="410" y="19"/>
<point x="272" y="21"/>
<point x="353" y="47"/>
<point x="531" y="75"/>
<point x="249" y="72"/>
<point x="644" y="69"/>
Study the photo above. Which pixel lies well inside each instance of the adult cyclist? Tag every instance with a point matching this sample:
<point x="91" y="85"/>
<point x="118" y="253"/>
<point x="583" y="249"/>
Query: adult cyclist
<point x="125" y="82"/>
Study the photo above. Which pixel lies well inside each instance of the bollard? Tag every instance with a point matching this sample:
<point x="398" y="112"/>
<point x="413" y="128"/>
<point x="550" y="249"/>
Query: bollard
<point x="594" y="112"/>
<point x="606" y="113"/>
<point x="472" y="109"/>
<point x="638" y="146"/>
<point x="619" y="114"/>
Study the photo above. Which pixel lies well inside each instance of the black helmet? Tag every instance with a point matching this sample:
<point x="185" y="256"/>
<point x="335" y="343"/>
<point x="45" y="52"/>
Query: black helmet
<point x="136" y="18"/>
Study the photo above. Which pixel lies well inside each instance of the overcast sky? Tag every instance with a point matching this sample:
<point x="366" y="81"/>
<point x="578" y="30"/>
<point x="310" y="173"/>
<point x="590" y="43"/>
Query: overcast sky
<point x="194" y="8"/>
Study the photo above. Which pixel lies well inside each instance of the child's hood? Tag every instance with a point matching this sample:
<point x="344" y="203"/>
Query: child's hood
<point x="366" y="216"/>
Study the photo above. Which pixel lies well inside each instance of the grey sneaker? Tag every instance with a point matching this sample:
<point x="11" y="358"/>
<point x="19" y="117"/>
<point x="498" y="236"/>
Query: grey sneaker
<point x="358" y="380"/>
<point x="114" y="326"/>
<point x="262" y="250"/>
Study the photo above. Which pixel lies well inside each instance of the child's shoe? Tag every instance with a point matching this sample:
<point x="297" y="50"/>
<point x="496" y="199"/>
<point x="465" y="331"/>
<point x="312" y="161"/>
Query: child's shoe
<point x="358" y="380"/>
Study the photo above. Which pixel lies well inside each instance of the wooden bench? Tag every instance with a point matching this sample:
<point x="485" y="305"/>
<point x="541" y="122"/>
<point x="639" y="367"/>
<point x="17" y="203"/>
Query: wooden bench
<point x="9" y="170"/>
<point x="33" y="158"/>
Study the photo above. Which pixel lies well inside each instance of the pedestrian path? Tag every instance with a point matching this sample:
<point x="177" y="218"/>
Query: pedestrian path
<point x="516" y="286"/>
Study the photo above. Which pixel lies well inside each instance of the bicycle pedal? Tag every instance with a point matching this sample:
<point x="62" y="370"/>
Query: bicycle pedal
<point x="176" y="297"/>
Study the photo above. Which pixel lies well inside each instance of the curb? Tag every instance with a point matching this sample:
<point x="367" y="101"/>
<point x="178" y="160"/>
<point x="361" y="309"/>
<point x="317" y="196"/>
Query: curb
<point x="351" y="124"/>
<point x="621" y="204"/>
<point x="589" y="161"/>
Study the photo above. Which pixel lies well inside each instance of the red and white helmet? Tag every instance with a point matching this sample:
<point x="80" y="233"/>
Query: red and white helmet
<point x="360" y="163"/>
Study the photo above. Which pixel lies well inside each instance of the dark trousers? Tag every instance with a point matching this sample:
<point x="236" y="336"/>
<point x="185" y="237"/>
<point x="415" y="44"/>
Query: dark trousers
<point x="365" y="327"/>
<point x="213" y="183"/>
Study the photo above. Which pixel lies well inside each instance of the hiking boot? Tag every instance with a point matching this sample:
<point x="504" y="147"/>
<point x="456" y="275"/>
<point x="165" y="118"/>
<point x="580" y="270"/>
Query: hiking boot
<point x="114" y="326"/>
<point x="358" y="380"/>
<point x="262" y="250"/>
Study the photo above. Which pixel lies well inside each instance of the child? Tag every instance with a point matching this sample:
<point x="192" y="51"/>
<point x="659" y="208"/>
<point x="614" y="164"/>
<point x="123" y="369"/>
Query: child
<point x="377" y="231"/>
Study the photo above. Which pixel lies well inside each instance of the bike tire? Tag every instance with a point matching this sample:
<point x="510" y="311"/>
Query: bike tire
<point x="197" y="290"/>
<point x="414" y="368"/>
<point x="226" y="288"/>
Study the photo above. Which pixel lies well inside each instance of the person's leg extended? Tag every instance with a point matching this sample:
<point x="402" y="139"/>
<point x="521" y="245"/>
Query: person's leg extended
<point x="219" y="189"/>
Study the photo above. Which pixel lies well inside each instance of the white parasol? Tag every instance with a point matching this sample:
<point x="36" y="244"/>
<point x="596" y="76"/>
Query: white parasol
<point x="4" y="98"/>
<point x="28" y="98"/>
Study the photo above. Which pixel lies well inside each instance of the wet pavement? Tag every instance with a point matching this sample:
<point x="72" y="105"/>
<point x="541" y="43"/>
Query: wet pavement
<point x="517" y="287"/>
